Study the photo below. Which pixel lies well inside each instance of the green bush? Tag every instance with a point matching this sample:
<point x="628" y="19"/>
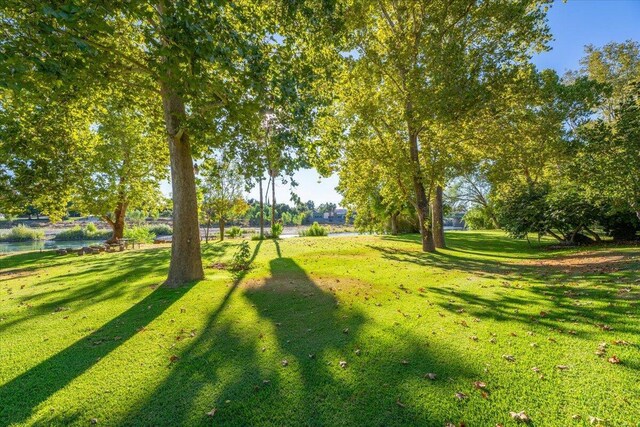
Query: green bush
<point x="139" y="234"/>
<point x="242" y="257"/>
<point x="316" y="230"/>
<point x="22" y="234"/>
<point x="90" y="232"/>
<point x="234" y="231"/>
<point x="276" y="230"/>
<point x="478" y="218"/>
<point x="160" y="230"/>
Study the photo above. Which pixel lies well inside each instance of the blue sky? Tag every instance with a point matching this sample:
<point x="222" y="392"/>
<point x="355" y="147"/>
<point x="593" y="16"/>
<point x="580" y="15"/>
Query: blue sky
<point x="573" y="24"/>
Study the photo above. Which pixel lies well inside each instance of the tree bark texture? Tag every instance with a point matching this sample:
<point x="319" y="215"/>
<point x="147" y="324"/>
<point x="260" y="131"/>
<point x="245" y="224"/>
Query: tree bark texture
<point x="422" y="201"/>
<point x="186" y="261"/>
<point x="438" y="218"/>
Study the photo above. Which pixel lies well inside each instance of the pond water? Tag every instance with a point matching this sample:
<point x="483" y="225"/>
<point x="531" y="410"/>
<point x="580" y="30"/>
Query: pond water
<point x="44" y="245"/>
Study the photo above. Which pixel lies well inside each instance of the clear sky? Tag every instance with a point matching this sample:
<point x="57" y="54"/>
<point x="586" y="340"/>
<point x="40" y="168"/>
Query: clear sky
<point x="573" y="24"/>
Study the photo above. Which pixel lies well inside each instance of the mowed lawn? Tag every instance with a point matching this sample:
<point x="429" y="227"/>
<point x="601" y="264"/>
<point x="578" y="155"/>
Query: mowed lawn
<point x="325" y="331"/>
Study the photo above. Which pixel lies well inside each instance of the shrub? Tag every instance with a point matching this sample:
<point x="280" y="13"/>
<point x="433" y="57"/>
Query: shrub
<point x="477" y="218"/>
<point x="161" y="230"/>
<point x="90" y="232"/>
<point x="242" y="257"/>
<point x="234" y="231"/>
<point x="139" y="234"/>
<point x="316" y="230"/>
<point x="276" y="230"/>
<point x="22" y="234"/>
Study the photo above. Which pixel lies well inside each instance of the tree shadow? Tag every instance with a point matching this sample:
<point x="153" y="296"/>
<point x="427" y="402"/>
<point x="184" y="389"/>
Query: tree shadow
<point x="241" y="370"/>
<point x="77" y="290"/>
<point x="581" y="289"/>
<point x="22" y="394"/>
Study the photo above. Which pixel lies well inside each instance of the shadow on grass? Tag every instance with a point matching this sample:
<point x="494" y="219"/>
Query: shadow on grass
<point x="239" y="371"/>
<point x="23" y="394"/>
<point x="599" y="301"/>
<point x="77" y="290"/>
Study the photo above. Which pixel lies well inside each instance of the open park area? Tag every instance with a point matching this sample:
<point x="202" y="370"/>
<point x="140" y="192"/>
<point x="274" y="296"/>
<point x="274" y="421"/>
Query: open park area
<point x="358" y="213"/>
<point x="363" y="330"/>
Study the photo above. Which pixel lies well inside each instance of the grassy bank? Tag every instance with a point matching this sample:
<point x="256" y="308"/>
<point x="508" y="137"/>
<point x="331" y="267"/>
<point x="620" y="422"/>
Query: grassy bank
<point x="22" y="234"/>
<point x="97" y="339"/>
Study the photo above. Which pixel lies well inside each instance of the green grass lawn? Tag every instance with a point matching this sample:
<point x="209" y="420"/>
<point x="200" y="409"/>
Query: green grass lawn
<point x="93" y="339"/>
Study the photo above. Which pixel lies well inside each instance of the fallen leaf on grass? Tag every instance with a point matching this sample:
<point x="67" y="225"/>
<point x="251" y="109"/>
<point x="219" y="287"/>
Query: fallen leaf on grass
<point x="595" y="420"/>
<point x="535" y="369"/>
<point x="461" y="396"/>
<point x="212" y="412"/>
<point x="400" y="404"/>
<point x="173" y="359"/>
<point x="521" y="417"/>
<point x="562" y="367"/>
<point x="614" y="359"/>
<point x="431" y="376"/>
<point x="620" y="342"/>
<point x="508" y="358"/>
<point x="358" y="352"/>
<point x="285" y="362"/>
<point x="479" y="385"/>
<point x="405" y="362"/>
<point x="343" y="364"/>
<point x="576" y="417"/>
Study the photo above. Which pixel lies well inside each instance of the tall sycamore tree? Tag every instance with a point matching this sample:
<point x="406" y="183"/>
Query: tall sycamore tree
<point x="428" y="64"/>
<point x="196" y="56"/>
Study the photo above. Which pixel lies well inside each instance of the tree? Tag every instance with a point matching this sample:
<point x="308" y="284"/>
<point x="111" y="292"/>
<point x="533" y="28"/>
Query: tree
<point x="427" y="65"/>
<point x="607" y="148"/>
<point x="222" y="187"/>
<point x="128" y="163"/>
<point x="45" y="146"/>
<point x="197" y="56"/>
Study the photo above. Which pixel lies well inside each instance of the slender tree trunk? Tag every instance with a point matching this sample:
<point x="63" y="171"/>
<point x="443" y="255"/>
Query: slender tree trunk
<point x="221" y="224"/>
<point x="551" y="233"/>
<point x="206" y="233"/>
<point x="493" y="218"/>
<point x="261" y="210"/>
<point x="394" y="223"/>
<point x="186" y="261"/>
<point x="437" y="214"/>
<point x="593" y="234"/>
<point x="117" y="224"/>
<point x="273" y="201"/>
<point x="422" y="201"/>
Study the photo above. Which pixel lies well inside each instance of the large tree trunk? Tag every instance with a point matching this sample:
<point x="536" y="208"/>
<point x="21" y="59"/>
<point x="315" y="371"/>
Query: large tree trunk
<point x="117" y="224"/>
<point x="261" y="210"/>
<point x="438" y="218"/>
<point x="422" y="201"/>
<point x="186" y="261"/>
